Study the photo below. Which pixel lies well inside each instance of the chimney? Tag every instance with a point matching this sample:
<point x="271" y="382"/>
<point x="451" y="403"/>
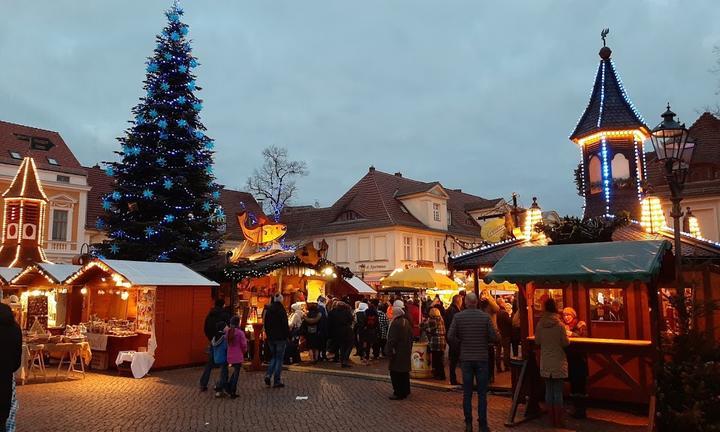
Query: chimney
<point x="371" y="169"/>
<point x="398" y="174"/>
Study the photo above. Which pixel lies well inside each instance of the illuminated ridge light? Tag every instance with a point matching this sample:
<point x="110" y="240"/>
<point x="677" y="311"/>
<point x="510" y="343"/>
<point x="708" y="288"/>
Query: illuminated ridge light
<point x="653" y="219"/>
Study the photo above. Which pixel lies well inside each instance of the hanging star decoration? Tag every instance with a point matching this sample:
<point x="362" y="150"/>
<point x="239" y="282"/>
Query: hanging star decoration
<point x="165" y="86"/>
<point x="199" y="134"/>
<point x="206" y="206"/>
<point x="219" y="213"/>
<point x="204" y="244"/>
<point x="216" y="195"/>
<point x="163" y="257"/>
<point x="160" y="161"/>
<point x="173" y="17"/>
<point x="181" y="100"/>
<point x="147" y="193"/>
<point x="175" y="36"/>
<point x="191" y="85"/>
<point x="149" y="231"/>
<point x="197" y="106"/>
<point x="163" y="136"/>
<point x="189" y="158"/>
<point x="182" y="69"/>
<point x="182" y="123"/>
<point x="167" y="184"/>
<point x="149" y="93"/>
<point x="152" y="67"/>
<point x="184" y="30"/>
<point x="114" y="249"/>
<point x="169" y="218"/>
<point x="106" y="205"/>
<point x="133" y="151"/>
<point x="209" y="170"/>
<point x="116" y="195"/>
<point x="109" y="171"/>
<point x="99" y="224"/>
<point x="139" y="120"/>
<point x="210" y="145"/>
<point x="193" y="63"/>
<point x="167" y="56"/>
<point x="153" y="113"/>
<point x="162" y="123"/>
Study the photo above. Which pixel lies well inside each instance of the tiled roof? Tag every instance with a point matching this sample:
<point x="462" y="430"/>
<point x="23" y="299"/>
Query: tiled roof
<point x="59" y="151"/>
<point x="374" y="203"/>
<point x="232" y="201"/>
<point x="609" y="107"/>
<point x="26" y="183"/>
<point x="704" y="175"/>
<point x="487" y="256"/>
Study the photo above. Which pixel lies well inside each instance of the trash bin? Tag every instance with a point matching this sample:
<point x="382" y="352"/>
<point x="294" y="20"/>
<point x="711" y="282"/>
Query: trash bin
<point x="420" y="361"/>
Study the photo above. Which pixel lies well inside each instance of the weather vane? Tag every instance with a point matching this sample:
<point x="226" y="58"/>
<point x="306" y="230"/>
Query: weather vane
<point x="603" y="34"/>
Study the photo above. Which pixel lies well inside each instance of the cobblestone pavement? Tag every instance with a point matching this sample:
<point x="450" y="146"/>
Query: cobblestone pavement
<point x="170" y="401"/>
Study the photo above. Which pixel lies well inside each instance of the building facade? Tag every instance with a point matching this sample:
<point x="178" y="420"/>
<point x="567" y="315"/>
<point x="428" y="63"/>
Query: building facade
<point x="386" y="221"/>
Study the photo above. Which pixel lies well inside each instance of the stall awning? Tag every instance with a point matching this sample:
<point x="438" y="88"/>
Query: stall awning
<point x="8" y="273"/>
<point x="587" y="262"/>
<point x="360" y="286"/>
<point x="54" y="273"/>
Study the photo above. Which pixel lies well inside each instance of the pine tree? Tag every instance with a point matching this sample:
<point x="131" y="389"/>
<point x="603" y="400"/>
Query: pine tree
<point x="165" y="203"/>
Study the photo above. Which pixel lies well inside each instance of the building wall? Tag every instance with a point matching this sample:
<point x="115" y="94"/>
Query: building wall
<point x="70" y="196"/>
<point x="422" y="208"/>
<point x="706" y="209"/>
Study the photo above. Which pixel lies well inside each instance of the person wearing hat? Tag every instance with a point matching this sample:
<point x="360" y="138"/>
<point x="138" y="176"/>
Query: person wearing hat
<point x="399" y="350"/>
<point x="277" y="333"/>
<point x="436" y="335"/>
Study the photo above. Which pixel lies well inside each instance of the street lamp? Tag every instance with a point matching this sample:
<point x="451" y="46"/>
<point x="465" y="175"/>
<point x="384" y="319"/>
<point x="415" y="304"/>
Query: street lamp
<point x="674" y="152"/>
<point x="362" y="271"/>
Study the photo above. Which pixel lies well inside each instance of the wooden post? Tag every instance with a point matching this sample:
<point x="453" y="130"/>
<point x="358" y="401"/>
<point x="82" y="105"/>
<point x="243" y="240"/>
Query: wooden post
<point x="256" y="364"/>
<point x="476" y="275"/>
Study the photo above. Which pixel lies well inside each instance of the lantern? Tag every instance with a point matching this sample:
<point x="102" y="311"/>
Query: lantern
<point x="532" y="218"/>
<point x="653" y="219"/>
<point x="670" y="140"/>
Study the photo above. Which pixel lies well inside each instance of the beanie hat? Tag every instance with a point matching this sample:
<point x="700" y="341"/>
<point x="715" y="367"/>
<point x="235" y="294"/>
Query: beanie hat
<point x="278" y="298"/>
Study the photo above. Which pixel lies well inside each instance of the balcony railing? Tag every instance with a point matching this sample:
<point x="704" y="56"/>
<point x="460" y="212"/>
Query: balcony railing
<point x="60" y="246"/>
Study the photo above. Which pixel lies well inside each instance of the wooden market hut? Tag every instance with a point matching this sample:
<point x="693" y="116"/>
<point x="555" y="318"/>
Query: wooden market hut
<point x="167" y="303"/>
<point x="613" y="286"/>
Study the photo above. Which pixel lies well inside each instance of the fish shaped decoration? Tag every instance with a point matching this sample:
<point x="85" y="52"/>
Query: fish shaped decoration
<point x="264" y="230"/>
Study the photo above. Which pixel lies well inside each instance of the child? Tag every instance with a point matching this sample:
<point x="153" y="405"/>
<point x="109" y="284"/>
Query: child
<point x="236" y="349"/>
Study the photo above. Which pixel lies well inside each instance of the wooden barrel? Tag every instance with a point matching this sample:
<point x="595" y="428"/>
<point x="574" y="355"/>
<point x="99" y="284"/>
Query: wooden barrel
<point x="420" y="361"/>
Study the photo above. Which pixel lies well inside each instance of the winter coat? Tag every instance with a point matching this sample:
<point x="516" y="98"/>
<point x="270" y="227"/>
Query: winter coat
<point x="552" y="339"/>
<point x="472" y="331"/>
<point x="383" y="325"/>
<point x="11" y="343"/>
<point x="504" y="324"/>
<point x="236" y="348"/>
<point x="436" y="334"/>
<point x="450" y="314"/>
<point x="399" y="344"/>
<point x="340" y="322"/>
<point x="413" y="313"/>
<point x="276" y="322"/>
<point x="216" y="315"/>
<point x="296" y="317"/>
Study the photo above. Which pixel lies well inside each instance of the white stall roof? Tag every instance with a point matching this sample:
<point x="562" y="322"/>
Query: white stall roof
<point x="8" y="273"/>
<point x="59" y="271"/>
<point x="158" y="273"/>
<point x="360" y="286"/>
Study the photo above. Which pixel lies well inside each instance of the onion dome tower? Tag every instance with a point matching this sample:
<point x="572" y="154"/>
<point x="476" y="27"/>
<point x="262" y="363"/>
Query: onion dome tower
<point x="24" y="206"/>
<point x="610" y="134"/>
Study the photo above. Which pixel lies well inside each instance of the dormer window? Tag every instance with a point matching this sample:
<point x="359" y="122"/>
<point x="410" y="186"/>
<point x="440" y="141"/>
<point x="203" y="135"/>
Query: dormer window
<point x="348" y="215"/>
<point x="40" y="144"/>
<point x="52" y="161"/>
<point x="436" y="212"/>
<point x="15" y="155"/>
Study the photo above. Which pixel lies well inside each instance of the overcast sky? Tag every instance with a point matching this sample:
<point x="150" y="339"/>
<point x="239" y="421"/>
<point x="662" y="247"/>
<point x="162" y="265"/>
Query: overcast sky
<point x="479" y="95"/>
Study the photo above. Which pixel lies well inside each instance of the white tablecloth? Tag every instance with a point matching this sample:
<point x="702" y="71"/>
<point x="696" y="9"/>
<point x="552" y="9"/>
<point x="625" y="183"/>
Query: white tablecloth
<point x="97" y="341"/>
<point x="140" y="362"/>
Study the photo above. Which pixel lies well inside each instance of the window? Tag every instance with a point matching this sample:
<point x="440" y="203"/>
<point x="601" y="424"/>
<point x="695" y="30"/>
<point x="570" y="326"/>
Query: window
<point x="15" y="155"/>
<point x="52" y="161"/>
<point x="342" y="251"/>
<point x="449" y="217"/>
<point x="438" y="251"/>
<point x="620" y="167"/>
<point x="40" y="144"/>
<point x="595" y="175"/>
<point x="607" y="304"/>
<point x="63" y="178"/>
<point x="380" y="249"/>
<point x="542" y="294"/>
<point x="420" y="249"/>
<point x="407" y="248"/>
<point x="436" y="212"/>
<point x="59" y="225"/>
<point x="364" y="248"/>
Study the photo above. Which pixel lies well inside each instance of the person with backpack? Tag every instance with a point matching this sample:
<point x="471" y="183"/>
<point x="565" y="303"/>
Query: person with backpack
<point x="217" y="314"/>
<point x="219" y="352"/>
<point x="236" y="349"/>
<point x="382" y="329"/>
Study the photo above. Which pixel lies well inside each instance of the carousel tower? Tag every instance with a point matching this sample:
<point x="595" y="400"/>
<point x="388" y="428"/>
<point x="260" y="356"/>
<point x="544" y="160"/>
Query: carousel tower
<point x="24" y="205"/>
<point x="610" y="134"/>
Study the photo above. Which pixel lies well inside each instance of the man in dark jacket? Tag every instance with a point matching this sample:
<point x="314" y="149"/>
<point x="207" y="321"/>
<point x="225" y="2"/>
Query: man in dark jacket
<point x="473" y="331"/>
<point x="277" y="333"/>
<point x="340" y="320"/>
<point x="11" y="343"/>
<point x="217" y="314"/>
<point x="399" y="350"/>
<point x="454" y="350"/>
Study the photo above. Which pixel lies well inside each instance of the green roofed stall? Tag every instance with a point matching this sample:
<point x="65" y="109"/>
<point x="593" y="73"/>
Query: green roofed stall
<point x="587" y="262"/>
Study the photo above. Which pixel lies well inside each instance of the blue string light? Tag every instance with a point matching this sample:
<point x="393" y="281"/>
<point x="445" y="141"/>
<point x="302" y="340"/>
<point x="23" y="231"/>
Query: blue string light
<point x="606" y="175"/>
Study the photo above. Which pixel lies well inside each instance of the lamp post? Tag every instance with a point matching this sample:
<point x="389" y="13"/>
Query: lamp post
<point x="362" y="271"/>
<point x="674" y="152"/>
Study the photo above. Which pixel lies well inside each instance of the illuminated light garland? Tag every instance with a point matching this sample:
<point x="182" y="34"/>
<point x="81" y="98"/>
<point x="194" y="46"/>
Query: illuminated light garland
<point x="625" y="95"/>
<point x="638" y="171"/>
<point x="636" y="134"/>
<point x="532" y="218"/>
<point x="653" y="218"/>
<point x="606" y="176"/>
<point x="694" y="226"/>
<point x="582" y="176"/>
<point x="602" y="93"/>
<point x="490" y="246"/>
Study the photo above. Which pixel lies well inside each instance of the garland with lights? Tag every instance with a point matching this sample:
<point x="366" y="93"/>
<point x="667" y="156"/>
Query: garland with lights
<point x="256" y="269"/>
<point x="165" y="204"/>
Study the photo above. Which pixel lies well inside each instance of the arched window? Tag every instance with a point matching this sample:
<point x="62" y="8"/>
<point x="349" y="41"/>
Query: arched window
<point x="620" y="167"/>
<point x="595" y="174"/>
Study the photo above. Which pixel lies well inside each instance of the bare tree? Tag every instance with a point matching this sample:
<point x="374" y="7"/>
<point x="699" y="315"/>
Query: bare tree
<point x="274" y="182"/>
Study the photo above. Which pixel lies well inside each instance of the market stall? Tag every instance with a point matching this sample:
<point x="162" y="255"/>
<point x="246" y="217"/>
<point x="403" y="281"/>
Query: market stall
<point x="152" y="309"/>
<point x="613" y="287"/>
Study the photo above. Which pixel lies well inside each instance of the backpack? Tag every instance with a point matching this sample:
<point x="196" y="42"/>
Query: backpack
<point x="219" y="350"/>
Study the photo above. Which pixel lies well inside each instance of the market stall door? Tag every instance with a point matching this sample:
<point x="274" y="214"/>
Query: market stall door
<point x="174" y="326"/>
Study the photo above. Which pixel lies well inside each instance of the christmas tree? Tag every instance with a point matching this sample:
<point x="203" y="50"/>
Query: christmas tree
<point x="164" y="206"/>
